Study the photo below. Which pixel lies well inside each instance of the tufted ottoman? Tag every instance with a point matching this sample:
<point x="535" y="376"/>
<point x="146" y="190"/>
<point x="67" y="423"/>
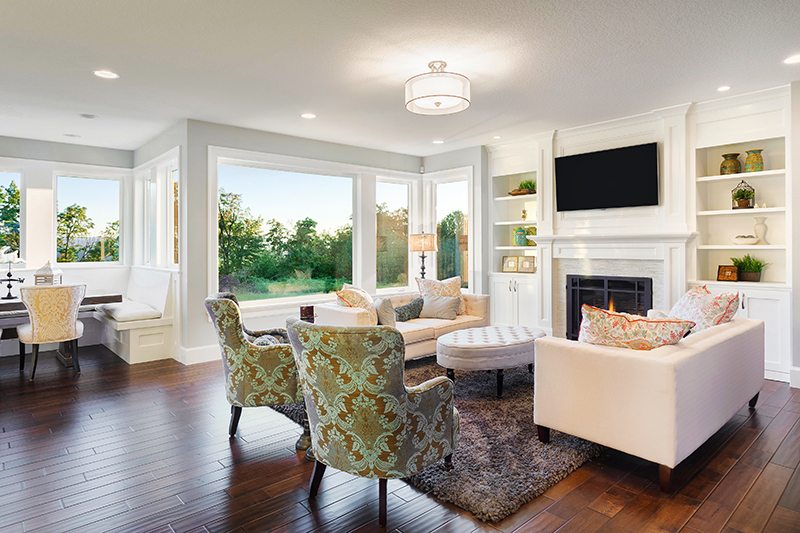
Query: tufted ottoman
<point x="487" y="348"/>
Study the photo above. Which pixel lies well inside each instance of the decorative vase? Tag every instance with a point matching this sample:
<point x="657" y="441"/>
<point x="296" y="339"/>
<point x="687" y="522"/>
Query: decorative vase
<point x="730" y="164"/>
<point x="749" y="276"/>
<point x="520" y="237"/>
<point x="760" y="230"/>
<point x="754" y="161"/>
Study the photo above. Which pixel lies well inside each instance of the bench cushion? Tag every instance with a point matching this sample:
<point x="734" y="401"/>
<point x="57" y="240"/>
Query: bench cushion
<point x="128" y="311"/>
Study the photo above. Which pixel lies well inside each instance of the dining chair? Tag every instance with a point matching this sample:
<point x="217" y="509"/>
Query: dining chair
<point x="53" y="312"/>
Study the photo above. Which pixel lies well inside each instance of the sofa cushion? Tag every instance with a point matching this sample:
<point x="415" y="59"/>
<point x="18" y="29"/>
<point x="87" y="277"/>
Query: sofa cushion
<point x="461" y="322"/>
<point x="446" y="287"/>
<point x="630" y="331"/>
<point x="409" y="311"/>
<point x="415" y="331"/>
<point x="444" y="307"/>
<point x="705" y="309"/>
<point x="350" y="296"/>
<point x="385" y="310"/>
<point x="128" y="311"/>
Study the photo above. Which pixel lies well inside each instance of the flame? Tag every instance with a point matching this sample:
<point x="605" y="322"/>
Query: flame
<point x="611" y="306"/>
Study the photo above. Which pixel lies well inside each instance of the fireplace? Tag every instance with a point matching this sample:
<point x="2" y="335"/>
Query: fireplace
<point x="627" y="295"/>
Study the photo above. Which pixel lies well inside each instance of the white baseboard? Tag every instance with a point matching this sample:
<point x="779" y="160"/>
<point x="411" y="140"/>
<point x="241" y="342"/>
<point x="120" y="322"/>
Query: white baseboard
<point x="794" y="377"/>
<point x="198" y="354"/>
<point x="776" y="376"/>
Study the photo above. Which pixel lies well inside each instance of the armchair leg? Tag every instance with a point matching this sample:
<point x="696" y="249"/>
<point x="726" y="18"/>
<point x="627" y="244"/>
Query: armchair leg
<point x="448" y="461"/>
<point x="21" y="357"/>
<point x="304" y="442"/>
<point x="74" y="349"/>
<point x="665" y="478"/>
<point x="316" y="479"/>
<point x="753" y="401"/>
<point x="35" y="360"/>
<point x="544" y="434"/>
<point x="236" y="414"/>
<point x="382" y="504"/>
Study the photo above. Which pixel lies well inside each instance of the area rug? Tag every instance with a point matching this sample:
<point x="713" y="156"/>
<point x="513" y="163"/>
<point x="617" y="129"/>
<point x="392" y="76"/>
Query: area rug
<point x="499" y="463"/>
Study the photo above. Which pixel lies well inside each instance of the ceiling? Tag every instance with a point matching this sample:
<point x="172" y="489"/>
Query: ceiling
<point x="534" y="65"/>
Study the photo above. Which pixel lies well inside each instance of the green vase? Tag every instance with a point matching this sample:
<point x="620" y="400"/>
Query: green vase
<point x="730" y="164"/>
<point x="754" y="161"/>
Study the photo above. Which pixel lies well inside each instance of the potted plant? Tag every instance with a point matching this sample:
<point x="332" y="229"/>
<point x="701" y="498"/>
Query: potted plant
<point x="743" y="197"/>
<point x="749" y="267"/>
<point x="525" y="187"/>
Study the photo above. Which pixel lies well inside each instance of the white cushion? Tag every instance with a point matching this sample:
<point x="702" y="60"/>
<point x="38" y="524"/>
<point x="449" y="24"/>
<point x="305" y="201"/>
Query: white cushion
<point x="461" y="322"/>
<point x="129" y="311"/>
<point x="487" y="348"/>
<point x="415" y="331"/>
<point x="25" y="333"/>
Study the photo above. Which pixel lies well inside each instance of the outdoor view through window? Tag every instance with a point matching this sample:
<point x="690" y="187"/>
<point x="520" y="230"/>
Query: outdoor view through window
<point x="9" y="210"/>
<point x="391" y="212"/>
<point x="452" y="228"/>
<point x="283" y="233"/>
<point x="88" y="219"/>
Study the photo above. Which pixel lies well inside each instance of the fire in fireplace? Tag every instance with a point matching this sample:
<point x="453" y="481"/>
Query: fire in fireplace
<point x="623" y="294"/>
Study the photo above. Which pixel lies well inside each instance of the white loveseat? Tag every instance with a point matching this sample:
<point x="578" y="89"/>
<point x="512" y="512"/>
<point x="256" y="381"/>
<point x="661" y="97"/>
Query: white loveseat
<point x="660" y="405"/>
<point x="419" y="334"/>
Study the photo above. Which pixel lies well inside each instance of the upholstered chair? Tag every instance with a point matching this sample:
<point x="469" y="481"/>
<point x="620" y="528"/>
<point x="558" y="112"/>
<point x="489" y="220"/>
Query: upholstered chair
<point x="53" y="311"/>
<point x="259" y="365"/>
<point x="364" y="420"/>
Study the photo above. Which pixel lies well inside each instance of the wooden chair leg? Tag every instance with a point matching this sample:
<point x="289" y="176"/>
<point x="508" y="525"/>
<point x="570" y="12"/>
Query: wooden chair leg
<point x="74" y="349"/>
<point x="35" y="359"/>
<point x="665" y="478"/>
<point x="753" y="401"/>
<point x="544" y="434"/>
<point x="382" y="502"/>
<point x="500" y="383"/>
<point x="316" y="479"/>
<point x="236" y="414"/>
<point x="21" y="357"/>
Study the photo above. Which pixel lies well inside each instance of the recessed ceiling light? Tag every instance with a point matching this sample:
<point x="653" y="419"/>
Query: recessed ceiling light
<point x="106" y="74"/>
<point x="724" y="88"/>
<point x="71" y="135"/>
<point x="88" y="116"/>
<point x="792" y="60"/>
<point x="496" y="137"/>
<point x="308" y="116"/>
<point x="438" y="141"/>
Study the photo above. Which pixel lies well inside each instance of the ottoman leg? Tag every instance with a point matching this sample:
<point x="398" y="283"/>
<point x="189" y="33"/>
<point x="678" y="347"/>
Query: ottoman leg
<point x="451" y="375"/>
<point x="530" y="368"/>
<point x="500" y="383"/>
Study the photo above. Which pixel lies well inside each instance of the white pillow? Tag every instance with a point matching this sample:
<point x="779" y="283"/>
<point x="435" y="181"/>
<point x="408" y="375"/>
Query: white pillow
<point x="445" y="287"/>
<point x="129" y="311"/>
<point x="351" y="296"/>
<point x="705" y="309"/>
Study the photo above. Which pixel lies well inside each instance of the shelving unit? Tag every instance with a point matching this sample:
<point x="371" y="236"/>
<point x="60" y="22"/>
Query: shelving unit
<point x="507" y="213"/>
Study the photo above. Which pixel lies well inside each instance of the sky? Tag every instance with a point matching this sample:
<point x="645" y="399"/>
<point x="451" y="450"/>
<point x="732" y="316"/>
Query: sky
<point x="453" y="196"/>
<point x="7" y="177"/>
<point x="99" y="196"/>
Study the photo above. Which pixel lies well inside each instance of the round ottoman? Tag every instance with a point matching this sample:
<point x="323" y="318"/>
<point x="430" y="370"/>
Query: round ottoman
<point x="487" y="348"/>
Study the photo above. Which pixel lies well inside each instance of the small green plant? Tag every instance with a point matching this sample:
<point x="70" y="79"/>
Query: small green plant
<point x="528" y="185"/>
<point x="743" y="194"/>
<point x="748" y="263"/>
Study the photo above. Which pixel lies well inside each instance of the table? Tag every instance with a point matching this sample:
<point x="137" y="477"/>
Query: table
<point x="13" y="313"/>
<point x="487" y="348"/>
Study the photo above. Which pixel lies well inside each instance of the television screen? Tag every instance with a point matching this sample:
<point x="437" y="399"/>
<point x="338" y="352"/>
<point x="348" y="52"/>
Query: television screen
<point x="622" y="177"/>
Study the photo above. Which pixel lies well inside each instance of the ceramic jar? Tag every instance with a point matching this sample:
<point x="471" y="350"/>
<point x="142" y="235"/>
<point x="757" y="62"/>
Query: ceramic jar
<point x="730" y="164"/>
<point x="520" y="237"/>
<point x="760" y="230"/>
<point x="754" y="161"/>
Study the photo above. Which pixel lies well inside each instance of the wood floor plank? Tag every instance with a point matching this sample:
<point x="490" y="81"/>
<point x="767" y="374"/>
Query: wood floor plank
<point x="756" y="508"/>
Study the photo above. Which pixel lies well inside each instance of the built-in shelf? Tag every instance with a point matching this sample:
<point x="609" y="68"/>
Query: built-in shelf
<point x="742" y="247"/>
<point x="742" y="284"/>
<point x="744" y="175"/>
<point x="513" y="274"/>
<point x="529" y="197"/>
<point x="753" y="211"/>
<point x="515" y="223"/>
<point x="515" y="247"/>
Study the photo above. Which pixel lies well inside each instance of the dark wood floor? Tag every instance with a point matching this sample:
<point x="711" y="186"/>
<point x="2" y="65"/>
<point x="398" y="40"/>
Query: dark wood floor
<point x="145" y="448"/>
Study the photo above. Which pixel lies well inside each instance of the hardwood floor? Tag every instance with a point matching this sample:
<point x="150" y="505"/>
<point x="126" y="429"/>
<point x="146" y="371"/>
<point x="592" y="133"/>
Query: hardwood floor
<point x="145" y="448"/>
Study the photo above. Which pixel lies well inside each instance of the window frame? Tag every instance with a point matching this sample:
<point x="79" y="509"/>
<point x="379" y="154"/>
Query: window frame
<point x="413" y="214"/>
<point x="23" y="237"/>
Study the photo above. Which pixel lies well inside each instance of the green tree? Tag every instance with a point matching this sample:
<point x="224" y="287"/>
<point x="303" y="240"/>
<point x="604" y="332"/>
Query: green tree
<point x="241" y="238"/>
<point x="105" y="248"/>
<point x="449" y="259"/>
<point x="392" y="246"/>
<point x="9" y="216"/>
<point x="73" y="224"/>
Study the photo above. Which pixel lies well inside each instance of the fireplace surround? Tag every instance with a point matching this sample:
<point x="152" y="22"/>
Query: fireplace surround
<point x="632" y="295"/>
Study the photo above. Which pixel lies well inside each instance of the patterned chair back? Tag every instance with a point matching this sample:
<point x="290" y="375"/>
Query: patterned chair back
<point x="53" y="311"/>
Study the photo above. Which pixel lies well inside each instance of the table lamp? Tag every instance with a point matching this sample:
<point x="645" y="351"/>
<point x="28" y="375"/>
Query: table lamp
<point x="423" y="242"/>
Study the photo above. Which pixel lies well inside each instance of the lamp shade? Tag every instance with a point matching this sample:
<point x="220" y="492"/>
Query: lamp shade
<point x="423" y="242"/>
<point x="437" y="92"/>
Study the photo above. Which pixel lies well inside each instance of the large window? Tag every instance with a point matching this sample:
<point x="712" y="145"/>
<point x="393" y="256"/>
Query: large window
<point x="9" y="210"/>
<point x="88" y="212"/>
<point x="391" y="213"/>
<point x="173" y="184"/>
<point x="283" y="233"/>
<point x="452" y="228"/>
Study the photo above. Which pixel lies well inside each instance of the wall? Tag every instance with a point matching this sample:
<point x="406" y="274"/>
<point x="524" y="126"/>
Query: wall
<point x="64" y="152"/>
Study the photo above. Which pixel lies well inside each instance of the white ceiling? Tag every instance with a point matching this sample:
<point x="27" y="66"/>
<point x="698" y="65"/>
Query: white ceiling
<point x="534" y="65"/>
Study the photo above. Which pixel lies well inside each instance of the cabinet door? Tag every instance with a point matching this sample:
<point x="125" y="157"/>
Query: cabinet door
<point x="525" y="292"/>
<point x="502" y="301"/>
<point x="773" y="308"/>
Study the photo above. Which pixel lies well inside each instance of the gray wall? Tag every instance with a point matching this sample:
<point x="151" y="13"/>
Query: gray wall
<point x="65" y="152"/>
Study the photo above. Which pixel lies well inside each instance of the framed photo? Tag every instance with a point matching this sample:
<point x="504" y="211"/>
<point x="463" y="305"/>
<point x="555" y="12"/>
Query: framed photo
<point x="727" y="273"/>
<point x="527" y="264"/>
<point x="510" y="263"/>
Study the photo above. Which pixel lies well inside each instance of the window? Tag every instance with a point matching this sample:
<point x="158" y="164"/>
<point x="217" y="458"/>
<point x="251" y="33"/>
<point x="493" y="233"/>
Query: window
<point x="88" y="219"/>
<point x="283" y="233"/>
<point x="174" y="213"/>
<point x="151" y="219"/>
<point x="391" y="213"/>
<point x="9" y="210"/>
<point x="452" y="229"/>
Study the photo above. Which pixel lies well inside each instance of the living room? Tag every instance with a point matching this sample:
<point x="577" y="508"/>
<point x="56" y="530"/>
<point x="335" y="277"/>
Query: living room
<point x="392" y="266"/>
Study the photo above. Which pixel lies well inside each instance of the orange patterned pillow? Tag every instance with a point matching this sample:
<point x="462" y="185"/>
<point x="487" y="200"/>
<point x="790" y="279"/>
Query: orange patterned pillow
<point x="705" y="309"/>
<point x="608" y="328"/>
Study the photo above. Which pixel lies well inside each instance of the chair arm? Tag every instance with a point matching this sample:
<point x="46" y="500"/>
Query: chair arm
<point x="432" y="402"/>
<point x="339" y="315"/>
<point x="476" y="305"/>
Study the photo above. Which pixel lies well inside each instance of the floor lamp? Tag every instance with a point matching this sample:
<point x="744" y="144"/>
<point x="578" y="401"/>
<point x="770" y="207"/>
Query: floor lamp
<point x="423" y="242"/>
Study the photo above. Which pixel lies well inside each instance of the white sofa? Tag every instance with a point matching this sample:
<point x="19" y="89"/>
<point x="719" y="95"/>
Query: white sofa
<point x="419" y="334"/>
<point x="660" y="405"/>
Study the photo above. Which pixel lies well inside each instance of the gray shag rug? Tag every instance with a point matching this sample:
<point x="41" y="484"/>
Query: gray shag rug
<point x="499" y="464"/>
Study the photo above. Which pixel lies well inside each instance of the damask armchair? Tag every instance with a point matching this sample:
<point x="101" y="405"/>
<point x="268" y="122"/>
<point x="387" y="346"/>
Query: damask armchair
<point x="259" y="365"/>
<point x="364" y="420"/>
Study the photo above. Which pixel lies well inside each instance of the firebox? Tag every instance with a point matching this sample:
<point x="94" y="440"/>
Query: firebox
<point x="623" y="294"/>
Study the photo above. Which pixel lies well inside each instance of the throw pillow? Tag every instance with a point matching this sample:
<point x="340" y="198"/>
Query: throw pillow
<point x="445" y="287"/>
<point x="351" y="296"/>
<point x="266" y="340"/>
<point x="705" y="309"/>
<point x="630" y="331"/>
<point x="445" y="307"/>
<point x="385" y="310"/>
<point x="409" y="311"/>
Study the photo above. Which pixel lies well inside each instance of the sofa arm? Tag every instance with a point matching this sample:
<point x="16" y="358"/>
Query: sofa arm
<point x="339" y="315"/>
<point x="476" y="305"/>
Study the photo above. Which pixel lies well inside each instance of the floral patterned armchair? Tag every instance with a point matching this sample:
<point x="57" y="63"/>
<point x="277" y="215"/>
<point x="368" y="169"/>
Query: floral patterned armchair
<point x="363" y="418"/>
<point x="259" y="365"/>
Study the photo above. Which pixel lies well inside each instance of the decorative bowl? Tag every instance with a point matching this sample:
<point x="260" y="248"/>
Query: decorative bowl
<point x="747" y="240"/>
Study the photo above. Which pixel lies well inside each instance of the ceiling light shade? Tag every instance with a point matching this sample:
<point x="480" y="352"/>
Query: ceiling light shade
<point x="437" y="92"/>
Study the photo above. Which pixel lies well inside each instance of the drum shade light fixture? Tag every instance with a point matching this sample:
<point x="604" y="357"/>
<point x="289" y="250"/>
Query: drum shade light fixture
<point x="437" y="92"/>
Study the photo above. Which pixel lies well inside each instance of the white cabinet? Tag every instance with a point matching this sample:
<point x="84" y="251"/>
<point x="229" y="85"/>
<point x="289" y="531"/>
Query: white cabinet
<point x="513" y="300"/>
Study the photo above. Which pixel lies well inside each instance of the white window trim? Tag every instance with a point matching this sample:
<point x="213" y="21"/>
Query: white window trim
<point x="23" y="238"/>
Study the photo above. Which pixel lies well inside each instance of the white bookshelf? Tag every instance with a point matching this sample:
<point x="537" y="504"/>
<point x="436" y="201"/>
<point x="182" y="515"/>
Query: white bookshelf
<point x="507" y="216"/>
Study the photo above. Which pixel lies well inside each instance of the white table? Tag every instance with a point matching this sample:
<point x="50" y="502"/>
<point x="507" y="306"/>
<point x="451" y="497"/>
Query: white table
<point x="487" y="348"/>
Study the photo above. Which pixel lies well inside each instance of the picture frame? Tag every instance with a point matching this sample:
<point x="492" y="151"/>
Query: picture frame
<point x="727" y="273"/>
<point x="510" y="263"/>
<point x="526" y="264"/>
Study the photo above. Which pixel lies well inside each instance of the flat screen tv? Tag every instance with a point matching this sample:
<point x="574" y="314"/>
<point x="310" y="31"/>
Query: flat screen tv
<point x="622" y="177"/>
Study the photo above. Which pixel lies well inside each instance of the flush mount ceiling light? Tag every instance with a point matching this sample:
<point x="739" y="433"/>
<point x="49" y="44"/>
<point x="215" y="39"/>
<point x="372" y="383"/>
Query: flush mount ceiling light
<point x="437" y="92"/>
<point x="792" y="60"/>
<point x="106" y="74"/>
<point x="724" y="88"/>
